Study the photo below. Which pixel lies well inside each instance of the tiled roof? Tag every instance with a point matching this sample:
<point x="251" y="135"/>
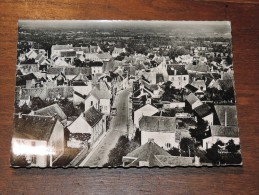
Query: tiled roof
<point x="54" y="70"/>
<point x="230" y="111"/>
<point x="224" y="131"/>
<point x="62" y="47"/>
<point x="191" y="98"/>
<point x="147" y="153"/>
<point x="191" y="88"/>
<point x="203" y="110"/>
<point x="157" y="124"/>
<point x="198" y="68"/>
<point x="180" y="70"/>
<point x="226" y="84"/>
<point x="52" y="110"/>
<point x="104" y="56"/>
<point x="39" y="56"/>
<point x="168" y="160"/>
<point x="33" y="127"/>
<point x="77" y="70"/>
<point x="199" y="83"/>
<point x="92" y="116"/>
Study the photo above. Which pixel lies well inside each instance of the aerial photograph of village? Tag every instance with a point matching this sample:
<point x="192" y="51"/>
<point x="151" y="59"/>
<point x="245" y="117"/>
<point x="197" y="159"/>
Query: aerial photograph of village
<point x="124" y="94"/>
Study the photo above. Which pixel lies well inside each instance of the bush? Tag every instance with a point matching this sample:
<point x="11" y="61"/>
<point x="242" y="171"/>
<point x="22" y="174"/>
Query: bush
<point x="122" y="148"/>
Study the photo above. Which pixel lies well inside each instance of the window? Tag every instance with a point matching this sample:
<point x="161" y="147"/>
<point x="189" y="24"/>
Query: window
<point x="184" y="78"/>
<point x="92" y="103"/>
<point x="168" y="145"/>
<point x="172" y="78"/>
<point x="33" y="143"/>
<point x="33" y="159"/>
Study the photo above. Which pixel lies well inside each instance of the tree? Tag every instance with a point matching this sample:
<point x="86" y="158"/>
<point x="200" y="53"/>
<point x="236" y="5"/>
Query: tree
<point x="174" y="151"/>
<point x="199" y="132"/>
<point x="122" y="148"/>
<point x="232" y="147"/>
<point x="213" y="152"/>
<point x="24" y="109"/>
<point x="187" y="147"/>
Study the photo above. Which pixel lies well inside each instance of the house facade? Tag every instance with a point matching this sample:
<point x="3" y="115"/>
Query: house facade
<point x="39" y="140"/>
<point x="161" y="129"/>
<point x="86" y="129"/>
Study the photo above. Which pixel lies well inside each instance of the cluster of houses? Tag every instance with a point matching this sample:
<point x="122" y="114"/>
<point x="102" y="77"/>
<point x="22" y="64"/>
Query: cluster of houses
<point x="56" y="78"/>
<point x="162" y="117"/>
<point x="164" y="120"/>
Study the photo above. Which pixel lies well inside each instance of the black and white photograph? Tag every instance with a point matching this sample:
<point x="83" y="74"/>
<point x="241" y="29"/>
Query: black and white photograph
<point x="114" y="93"/>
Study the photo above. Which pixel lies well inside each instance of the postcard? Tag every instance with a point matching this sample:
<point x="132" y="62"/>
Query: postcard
<point x="113" y="93"/>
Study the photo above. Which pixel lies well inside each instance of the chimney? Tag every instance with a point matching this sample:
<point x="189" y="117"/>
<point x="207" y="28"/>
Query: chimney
<point x="54" y="116"/>
<point x="226" y="119"/>
<point x="161" y="123"/>
<point x="151" y="140"/>
<point x="221" y="75"/>
<point x="197" y="161"/>
<point x="20" y="115"/>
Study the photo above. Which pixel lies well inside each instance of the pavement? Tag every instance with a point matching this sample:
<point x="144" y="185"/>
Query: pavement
<point x="118" y="126"/>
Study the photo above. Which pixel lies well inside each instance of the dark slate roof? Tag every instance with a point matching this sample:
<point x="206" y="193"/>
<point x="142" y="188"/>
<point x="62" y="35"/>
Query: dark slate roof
<point x="202" y="110"/>
<point x="191" y="88"/>
<point x="224" y="131"/>
<point x="68" y="53"/>
<point x="147" y="153"/>
<point x="180" y="70"/>
<point x="230" y="111"/>
<point x="52" y="110"/>
<point x="91" y="63"/>
<point x="159" y="78"/>
<point x="157" y="124"/>
<point x="92" y="116"/>
<point x="80" y="95"/>
<point x="21" y="79"/>
<point x="33" y="127"/>
<point x="226" y="84"/>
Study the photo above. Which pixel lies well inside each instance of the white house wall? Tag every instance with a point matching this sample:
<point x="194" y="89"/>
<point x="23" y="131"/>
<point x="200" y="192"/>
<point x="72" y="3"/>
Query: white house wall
<point x="146" y="110"/>
<point x="160" y="138"/>
<point x="56" y="141"/>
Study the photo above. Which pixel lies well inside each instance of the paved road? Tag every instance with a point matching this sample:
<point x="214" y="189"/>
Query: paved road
<point x="117" y="128"/>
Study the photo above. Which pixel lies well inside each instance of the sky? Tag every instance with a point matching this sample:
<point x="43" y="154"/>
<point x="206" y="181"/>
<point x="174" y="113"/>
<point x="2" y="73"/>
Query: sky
<point x="221" y="27"/>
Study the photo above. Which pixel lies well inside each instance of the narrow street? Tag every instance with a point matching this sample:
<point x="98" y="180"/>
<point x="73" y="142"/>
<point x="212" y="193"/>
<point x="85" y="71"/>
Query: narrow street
<point x="118" y="127"/>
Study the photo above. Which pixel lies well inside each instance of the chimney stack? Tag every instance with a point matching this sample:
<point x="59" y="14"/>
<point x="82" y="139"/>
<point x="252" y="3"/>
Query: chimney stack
<point x="20" y="115"/>
<point x="151" y="140"/>
<point x="226" y="116"/>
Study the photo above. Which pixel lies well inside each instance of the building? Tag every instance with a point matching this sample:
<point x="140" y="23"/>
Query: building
<point x="117" y="51"/>
<point x="38" y="141"/>
<point x="161" y="129"/>
<point x="53" y="110"/>
<point x="86" y="129"/>
<point x="221" y="133"/>
<point x="178" y="76"/>
<point x="146" y="110"/>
